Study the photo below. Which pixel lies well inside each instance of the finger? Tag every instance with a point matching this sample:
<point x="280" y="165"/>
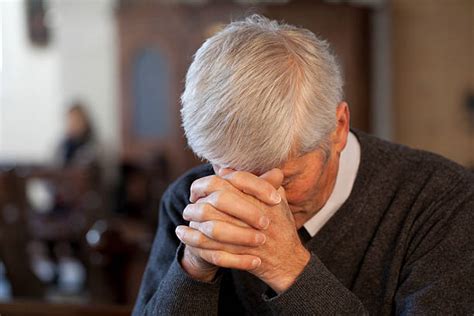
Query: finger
<point x="202" y="187"/>
<point x="253" y="185"/>
<point x="228" y="260"/>
<point x="235" y="205"/>
<point x="274" y="177"/>
<point x="202" y="212"/>
<point x="231" y="234"/>
<point x="193" y="237"/>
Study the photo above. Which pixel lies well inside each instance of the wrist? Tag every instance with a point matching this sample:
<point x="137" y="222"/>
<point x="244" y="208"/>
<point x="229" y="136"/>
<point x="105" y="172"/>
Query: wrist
<point x="285" y="280"/>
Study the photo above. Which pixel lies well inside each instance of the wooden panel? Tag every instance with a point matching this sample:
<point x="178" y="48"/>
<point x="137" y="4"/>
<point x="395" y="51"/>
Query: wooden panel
<point x="347" y="30"/>
<point x="433" y="51"/>
<point x="177" y="31"/>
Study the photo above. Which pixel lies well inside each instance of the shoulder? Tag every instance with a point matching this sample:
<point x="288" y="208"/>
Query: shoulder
<point x="430" y="196"/>
<point x="416" y="186"/>
<point x="413" y="167"/>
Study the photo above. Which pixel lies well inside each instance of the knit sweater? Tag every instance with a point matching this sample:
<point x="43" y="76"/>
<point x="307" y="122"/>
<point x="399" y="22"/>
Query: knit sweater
<point x="402" y="243"/>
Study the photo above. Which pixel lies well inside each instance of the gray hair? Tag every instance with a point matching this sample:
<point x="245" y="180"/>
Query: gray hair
<point x="259" y="92"/>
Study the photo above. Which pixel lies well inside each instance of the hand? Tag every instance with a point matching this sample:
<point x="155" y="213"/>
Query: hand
<point x="224" y="229"/>
<point x="198" y="261"/>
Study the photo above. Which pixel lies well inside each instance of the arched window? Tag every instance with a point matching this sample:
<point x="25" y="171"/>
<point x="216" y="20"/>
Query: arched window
<point x="151" y="94"/>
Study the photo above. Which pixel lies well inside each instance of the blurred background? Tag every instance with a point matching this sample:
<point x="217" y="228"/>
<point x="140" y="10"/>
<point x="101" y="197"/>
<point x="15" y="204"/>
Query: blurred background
<point x="90" y="132"/>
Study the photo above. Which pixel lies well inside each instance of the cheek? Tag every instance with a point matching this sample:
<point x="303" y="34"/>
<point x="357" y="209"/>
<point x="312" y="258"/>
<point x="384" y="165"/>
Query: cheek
<point x="305" y="189"/>
<point x="299" y="193"/>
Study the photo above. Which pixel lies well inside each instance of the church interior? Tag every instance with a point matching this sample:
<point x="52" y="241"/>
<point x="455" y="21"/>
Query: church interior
<point x="90" y="130"/>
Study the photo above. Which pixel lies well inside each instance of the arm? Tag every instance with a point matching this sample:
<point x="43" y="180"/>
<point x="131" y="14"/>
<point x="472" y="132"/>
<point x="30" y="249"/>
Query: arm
<point x="437" y="276"/>
<point x="316" y="291"/>
<point x="166" y="288"/>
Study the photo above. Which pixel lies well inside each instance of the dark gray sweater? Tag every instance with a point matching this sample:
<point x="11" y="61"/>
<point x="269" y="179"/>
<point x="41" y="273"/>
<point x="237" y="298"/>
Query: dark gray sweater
<point x="403" y="243"/>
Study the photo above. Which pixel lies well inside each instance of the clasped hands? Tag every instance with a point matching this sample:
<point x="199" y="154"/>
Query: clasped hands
<point x="241" y="221"/>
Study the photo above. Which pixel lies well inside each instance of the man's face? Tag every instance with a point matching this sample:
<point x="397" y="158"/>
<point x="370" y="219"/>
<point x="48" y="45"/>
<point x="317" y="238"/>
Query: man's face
<point x="308" y="182"/>
<point x="309" y="179"/>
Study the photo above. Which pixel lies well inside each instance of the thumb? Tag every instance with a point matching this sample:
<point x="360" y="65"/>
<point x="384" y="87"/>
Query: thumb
<point x="274" y="177"/>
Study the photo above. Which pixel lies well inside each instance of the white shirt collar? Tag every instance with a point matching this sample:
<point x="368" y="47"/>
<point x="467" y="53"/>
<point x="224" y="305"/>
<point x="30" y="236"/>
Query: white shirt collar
<point x="347" y="172"/>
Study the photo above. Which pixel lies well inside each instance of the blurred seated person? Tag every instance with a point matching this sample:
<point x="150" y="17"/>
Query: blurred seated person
<point x="58" y="219"/>
<point x="78" y="149"/>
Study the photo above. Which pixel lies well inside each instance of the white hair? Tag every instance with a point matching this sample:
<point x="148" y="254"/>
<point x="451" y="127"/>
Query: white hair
<point x="259" y="92"/>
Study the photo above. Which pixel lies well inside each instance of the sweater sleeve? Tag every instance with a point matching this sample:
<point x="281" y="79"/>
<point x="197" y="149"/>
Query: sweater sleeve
<point x="316" y="292"/>
<point x="166" y="288"/>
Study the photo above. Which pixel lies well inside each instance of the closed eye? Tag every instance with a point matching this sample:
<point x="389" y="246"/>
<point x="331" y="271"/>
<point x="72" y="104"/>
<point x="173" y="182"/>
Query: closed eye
<point x="286" y="182"/>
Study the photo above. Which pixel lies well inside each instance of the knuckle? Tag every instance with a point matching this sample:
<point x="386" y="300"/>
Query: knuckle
<point x="198" y="211"/>
<point x="209" y="228"/>
<point x="213" y="182"/>
<point x="204" y="210"/>
<point x="216" y="197"/>
<point x="194" y="225"/>
<point x="199" y="240"/>
<point x="240" y="179"/>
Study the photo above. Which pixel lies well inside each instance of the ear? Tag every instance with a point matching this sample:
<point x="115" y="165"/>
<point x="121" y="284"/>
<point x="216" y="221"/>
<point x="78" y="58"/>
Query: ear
<point x="340" y="134"/>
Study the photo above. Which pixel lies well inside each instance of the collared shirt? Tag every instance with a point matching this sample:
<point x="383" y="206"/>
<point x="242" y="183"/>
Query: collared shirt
<point x="348" y="166"/>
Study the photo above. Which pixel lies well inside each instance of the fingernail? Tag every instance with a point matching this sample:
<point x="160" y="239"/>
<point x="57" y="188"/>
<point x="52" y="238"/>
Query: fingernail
<point x="179" y="231"/>
<point x="260" y="239"/>
<point x="256" y="262"/>
<point x="275" y="197"/>
<point x="264" y="222"/>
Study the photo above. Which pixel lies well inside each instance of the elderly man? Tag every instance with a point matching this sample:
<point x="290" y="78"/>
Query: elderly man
<point x="296" y="213"/>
